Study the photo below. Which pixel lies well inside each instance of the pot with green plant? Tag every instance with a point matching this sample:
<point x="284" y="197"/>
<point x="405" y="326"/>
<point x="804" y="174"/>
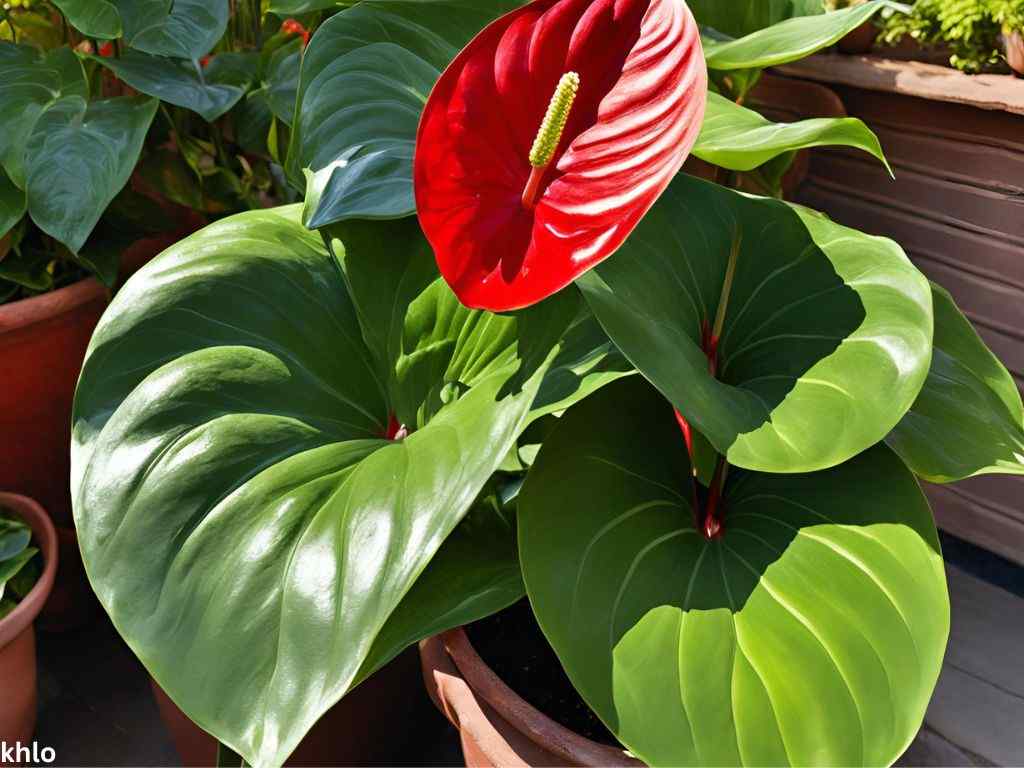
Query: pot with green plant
<point x="966" y="32"/>
<point x="28" y="564"/>
<point x="116" y="139"/>
<point x="1010" y="16"/>
<point x="507" y="350"/>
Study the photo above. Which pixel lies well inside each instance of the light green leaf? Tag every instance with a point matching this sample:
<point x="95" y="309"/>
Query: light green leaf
<point x="811" y="632"/>
<point x="791" y="39"/>
<point x="30" y="83"/>
<point x="740" y="139"/>
<point x="741" y="17"/>
<point x="365" y="78"/>
<point x="968" y="419"/>
<point x="184" y="29"/>
<point x="241" y="518"/>
<point x="14" y="537"/>
<point x="79" y="157"/>
<point x="826" y="338"/>
<point x="11" y="567"/>
<point x="178" y="82"/>
<point x="93" y="18"/>
<point x="13" y="203"/>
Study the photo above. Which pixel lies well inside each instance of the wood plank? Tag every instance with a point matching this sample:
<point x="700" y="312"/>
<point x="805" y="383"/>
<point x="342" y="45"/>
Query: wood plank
<point x="978" y="520"/>
<point x="912" y="78"/>
<point x="979" y="702"/>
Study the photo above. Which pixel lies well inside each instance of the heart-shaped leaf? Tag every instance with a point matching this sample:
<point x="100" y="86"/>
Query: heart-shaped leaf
<point x="825" y="334"/>
<point x="968" y="419"/>
<point x="740" y="139"/>
<point x="810" y="632"/>
<point x="242" y="518"/>
<point x="93" y="18"/>
<point x="737" y="18"/>
<point x="184" y="29"/>
<point x="791" y="39"/>
<point x="179" y="82"/>
<point x="79" y="157"/>
<point x="29" y="83"/>
<point x="365" y="78"/>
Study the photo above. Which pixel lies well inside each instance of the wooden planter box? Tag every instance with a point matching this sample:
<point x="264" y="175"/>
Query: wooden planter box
<point x="956" y="144"/>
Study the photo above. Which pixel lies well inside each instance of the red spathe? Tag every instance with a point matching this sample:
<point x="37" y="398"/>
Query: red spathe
<point x="643" y="88"/>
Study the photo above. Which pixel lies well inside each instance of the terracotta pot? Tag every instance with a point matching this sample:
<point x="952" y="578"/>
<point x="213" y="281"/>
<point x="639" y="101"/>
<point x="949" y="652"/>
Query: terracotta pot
<point x="373" y="725"/>
<point x="1014" y="42"/>
<point x="497" y="727"/>
<point x="42" y="346"/>
<point x="17" y="635"/>
<point x="860" y="40"/>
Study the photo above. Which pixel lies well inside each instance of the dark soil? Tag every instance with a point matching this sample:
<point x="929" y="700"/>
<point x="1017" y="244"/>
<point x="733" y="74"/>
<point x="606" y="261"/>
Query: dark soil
<point x="514" y="647"/>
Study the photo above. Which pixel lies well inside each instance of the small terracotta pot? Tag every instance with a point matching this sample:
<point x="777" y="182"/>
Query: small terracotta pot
<point x="42" y="346"/>
<point x="497" y="727"/>
<point x="1014" y="42"/>
<point x="372" y="725"/>
<point x="17" y="635"/>
<point x="861" y="40"/>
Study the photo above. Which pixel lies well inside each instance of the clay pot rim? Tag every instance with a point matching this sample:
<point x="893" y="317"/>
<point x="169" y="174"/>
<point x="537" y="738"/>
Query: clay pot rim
<point x="524" y="717"/>
<point x="37" y="309"/>
<point x="46" y="535"/>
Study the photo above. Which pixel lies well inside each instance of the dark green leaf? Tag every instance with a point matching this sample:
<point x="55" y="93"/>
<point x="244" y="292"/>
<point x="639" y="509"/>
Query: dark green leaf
<point x="93" y="18"/>
<point x="968" y="419"/>
<point x="12" y="566"/>
<point x="26" y="578"/>
<point x="79" y="157"/>
<point x="296" y="7"/>
<point x="740" y="139"/>
<point x="184" y="29"/>
<point x="29" y="84"/>
<point x="241" y="517"/>
<point x="811" y="632"/>
<point x="177" y="82"/>
<point x="826" y="337"/>
<point x="13" y="203"/>
<point x="365" y="78"/>
<point x="14" y="538"/>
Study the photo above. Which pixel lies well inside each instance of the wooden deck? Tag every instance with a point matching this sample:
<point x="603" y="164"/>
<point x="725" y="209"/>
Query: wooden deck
<point x="976" y="716"/>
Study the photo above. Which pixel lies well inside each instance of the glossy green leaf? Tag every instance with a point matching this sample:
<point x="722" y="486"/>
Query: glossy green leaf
<point x="737" y="18"/>
<point x="968" y="419"/>
<point x="30" y="83"/>
<point x="93" y="18"/>
<point x="178" y="82"/>
<point x="791" y="39"/>
<point x="79" y="157"/>
<point x="475" y="574"/>
<point x="811" y="632"/>
<point x="13" y="203"/>
<point x="184" y="29"/>
<point x="740" y="139"/>
<point x="241" y="518"/>
<point x="826" y="339"/>
<point x="365" y="78"/>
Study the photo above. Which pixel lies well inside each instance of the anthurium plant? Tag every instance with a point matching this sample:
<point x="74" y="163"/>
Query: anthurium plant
<point x="108" y="105"/>
<point x="504" y="347"/>
<point x="20" y="565"/>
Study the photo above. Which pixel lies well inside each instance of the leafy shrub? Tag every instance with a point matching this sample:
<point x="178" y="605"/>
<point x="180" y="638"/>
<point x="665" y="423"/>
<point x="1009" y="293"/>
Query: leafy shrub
<point x="970" y="29"/>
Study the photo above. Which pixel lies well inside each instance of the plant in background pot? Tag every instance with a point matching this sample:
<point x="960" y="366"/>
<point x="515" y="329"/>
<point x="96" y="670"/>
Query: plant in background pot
<point x="1010" y="16"/>
<point x="688" y="418"/>
<point x="28" y="563"/>
<point x="965" y="30"/>
<point x="123" y="128"/>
